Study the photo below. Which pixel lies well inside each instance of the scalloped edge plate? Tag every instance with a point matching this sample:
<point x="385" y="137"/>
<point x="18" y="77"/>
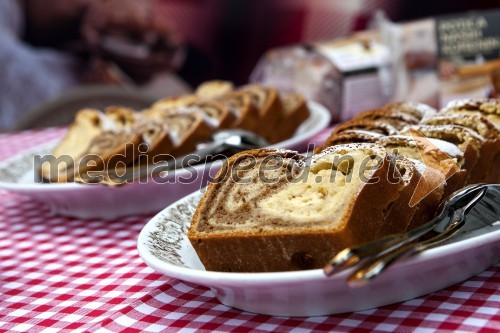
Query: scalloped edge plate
<point x="164" y="246"/>
<point x="100" y="201"/>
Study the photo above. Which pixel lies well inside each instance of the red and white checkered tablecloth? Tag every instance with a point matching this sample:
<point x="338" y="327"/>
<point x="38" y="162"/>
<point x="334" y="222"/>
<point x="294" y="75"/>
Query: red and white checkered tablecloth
<point x="61" y="274"/>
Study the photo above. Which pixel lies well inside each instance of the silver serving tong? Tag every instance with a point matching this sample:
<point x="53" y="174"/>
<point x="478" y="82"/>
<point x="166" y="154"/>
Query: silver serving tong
<point x="375" y="257"/>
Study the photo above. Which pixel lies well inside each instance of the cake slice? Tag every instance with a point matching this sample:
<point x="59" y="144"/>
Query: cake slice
<point x="402" y="211"/>
<point x="243" y="108"/>
<point x="123" y="118"/>
<point x="214" y="89"/>
<point x="270" y="210"/>
<point x="156" y="142"/>
<point x="487" y="171"/>
<point x="171" y="103"/>
<point x="349" y="136"/>
<point x="486" y="107"/>
<point x="155" y="135"/>
<point x="418" y="110"/>
<point x="269" y="105"/>
<point x="88" y="124"/>
<point x="392" y="117"/>
<point x="369" y="125"/>
<point x="216" y="113"/>
<point x="440" y="155"/>
<point x="465" y="139"/>
<point x="428" y="195"/>
<point x="295" y="111"/>
<point x="187" y="126"/>
<point x="107" y="154"/>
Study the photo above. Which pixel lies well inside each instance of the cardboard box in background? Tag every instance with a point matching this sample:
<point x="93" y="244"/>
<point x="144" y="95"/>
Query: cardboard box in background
<point x="362" y="64"/>
<point x="432" y="61"/>
<point x="346" y="75"/>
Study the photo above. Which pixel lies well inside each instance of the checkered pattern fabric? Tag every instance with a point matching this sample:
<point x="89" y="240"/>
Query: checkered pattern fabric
<point x="62" y="274"/>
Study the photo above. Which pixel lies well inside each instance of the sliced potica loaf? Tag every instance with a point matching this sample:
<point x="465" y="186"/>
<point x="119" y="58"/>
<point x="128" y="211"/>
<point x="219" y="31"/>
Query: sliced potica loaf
<point x="295" y="111"/>
<point x="284" y="214"/>
<point x="243" y="108"/>
<point x="88" y="124"/>
<point x="490" y="150"/>
<point x="270" y="107"/>
<point x="486" y="107"/>
<point x="393" y="117"/>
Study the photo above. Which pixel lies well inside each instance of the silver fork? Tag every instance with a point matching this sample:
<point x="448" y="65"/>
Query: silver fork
<point x="380" y="254"/>
<point x="374" y="267"/>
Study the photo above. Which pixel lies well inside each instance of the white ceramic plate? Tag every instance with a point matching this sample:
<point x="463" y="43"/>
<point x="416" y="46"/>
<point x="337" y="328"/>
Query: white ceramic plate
<point x="164" y="246"/>
<point x="98" y="201"/>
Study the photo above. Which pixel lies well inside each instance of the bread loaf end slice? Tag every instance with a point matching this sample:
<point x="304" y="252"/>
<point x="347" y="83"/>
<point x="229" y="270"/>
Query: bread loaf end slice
<point x="309" y="212"/>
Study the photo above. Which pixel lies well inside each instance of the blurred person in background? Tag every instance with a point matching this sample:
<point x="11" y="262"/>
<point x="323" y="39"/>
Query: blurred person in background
<point x="47" y="48"/>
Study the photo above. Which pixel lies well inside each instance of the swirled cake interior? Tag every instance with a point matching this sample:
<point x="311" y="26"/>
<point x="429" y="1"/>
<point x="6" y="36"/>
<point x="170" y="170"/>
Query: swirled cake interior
<point x="273" y="193"/>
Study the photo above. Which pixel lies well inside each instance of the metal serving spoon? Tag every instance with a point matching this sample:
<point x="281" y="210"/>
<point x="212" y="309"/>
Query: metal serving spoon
<point x="232" y="141"/>
<point x="378" y="255"/>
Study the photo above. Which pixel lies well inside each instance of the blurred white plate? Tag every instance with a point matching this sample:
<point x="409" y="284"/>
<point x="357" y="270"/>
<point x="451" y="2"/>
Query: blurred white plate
<point x="164" y="246"/>
<point x="17" y="175"/>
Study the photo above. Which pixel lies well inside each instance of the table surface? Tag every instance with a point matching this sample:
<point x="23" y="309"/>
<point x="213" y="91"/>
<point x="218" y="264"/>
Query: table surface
<point x="59" y="273"/>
